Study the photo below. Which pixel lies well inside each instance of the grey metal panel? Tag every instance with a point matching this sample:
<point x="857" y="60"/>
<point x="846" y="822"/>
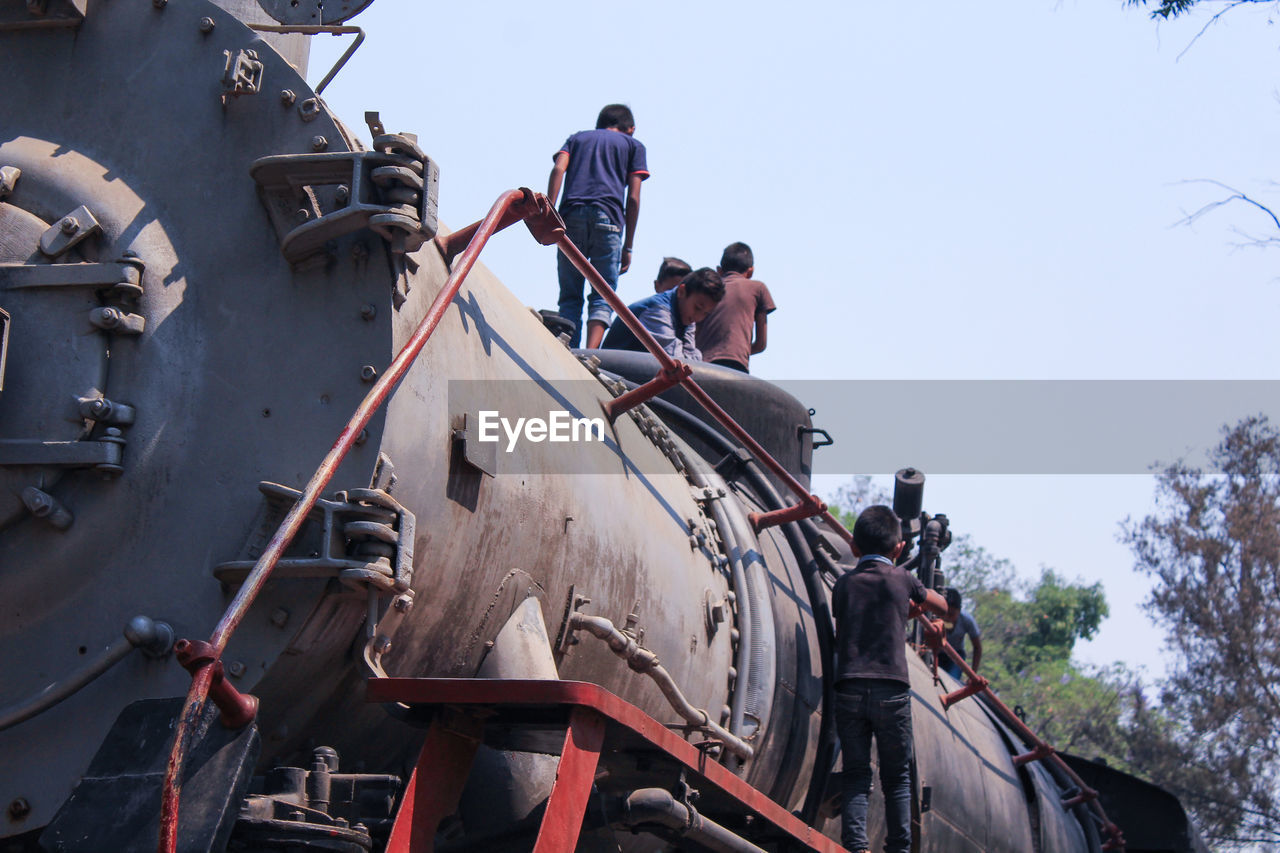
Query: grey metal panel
<point x="961" y="756"/>
<point x="244" y="371"/>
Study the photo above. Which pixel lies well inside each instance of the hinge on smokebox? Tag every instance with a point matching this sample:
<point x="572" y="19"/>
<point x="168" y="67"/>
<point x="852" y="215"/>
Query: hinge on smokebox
<point x="313" y="199"/>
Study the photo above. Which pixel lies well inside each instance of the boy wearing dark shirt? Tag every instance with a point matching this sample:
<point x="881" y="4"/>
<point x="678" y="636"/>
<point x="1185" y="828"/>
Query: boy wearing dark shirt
<point x="725" y="337"/>
<point x="597" y="168"/>
<point x="873" y="688"/>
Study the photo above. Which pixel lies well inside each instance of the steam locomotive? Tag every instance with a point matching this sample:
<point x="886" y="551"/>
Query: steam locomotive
<point x="202" y="273"/>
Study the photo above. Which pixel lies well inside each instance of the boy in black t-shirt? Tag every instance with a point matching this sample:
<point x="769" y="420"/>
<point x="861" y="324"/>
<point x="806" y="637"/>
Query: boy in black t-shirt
<point x="873" y="689"/>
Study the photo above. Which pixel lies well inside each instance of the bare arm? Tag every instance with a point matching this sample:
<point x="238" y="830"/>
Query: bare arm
<point x="936" y="604"/>
<point x="557" y="177"/>
<point x="762" y="333"/>
<point x="977" y="652"/>
<point x="632" y="216"/>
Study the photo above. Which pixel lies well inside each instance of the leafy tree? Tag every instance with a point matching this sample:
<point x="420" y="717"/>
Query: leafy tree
<point x="1213" y="550"/>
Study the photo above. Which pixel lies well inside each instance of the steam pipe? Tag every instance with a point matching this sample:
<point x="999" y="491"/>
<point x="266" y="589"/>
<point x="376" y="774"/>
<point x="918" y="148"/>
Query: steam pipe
<point x="655" y="805"/>
<point x="646" y="662"/>
<point x="155" y="638"/>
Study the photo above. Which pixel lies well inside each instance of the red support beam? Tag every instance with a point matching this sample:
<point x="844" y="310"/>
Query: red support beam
<point x="1088" y="795"/>
<point x="574" y="776"/>
<point x="436" y="784"/>
<point x="976" y="685"/>
<point x="664" y="380"/>
<point x="805" y="509"/>
<point x="1041" y="750"/>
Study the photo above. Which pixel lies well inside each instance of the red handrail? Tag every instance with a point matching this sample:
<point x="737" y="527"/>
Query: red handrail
<point x="510" y="207"/>
<point x="203" y="659"/>
<point x="1041" y="749"/>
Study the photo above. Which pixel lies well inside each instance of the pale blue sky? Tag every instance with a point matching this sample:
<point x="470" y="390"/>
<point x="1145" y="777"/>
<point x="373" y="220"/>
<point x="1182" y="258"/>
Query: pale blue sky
<point x="932" y="190"/>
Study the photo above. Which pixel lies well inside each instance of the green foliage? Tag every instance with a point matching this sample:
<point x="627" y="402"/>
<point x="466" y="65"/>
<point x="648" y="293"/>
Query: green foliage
<point x="1028" y="624"/>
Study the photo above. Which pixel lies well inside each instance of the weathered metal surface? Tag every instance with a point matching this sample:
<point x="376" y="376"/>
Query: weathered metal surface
<point x="234" y="363"/>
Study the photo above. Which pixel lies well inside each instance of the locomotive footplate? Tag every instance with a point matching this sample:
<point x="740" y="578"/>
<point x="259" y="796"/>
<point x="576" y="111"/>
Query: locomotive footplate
<point x="644" y="775"/>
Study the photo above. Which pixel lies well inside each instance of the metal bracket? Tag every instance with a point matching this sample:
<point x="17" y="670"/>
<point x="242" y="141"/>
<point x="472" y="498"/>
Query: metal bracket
<point x="482" y="455"/>
<point x="315" y="198"/>
<point x="105" y="454"/>
<point x="68" y="231"/>
<point x="802" y="431"/>
<point x="106" y="411"/>
<point x="368" y="524"/>
<point x="8" y="180"/>
<point x="241" y="75"/>
<point x="120" y="322"/>
<point x="565" y="636"/>
<point x="124" y="276"/>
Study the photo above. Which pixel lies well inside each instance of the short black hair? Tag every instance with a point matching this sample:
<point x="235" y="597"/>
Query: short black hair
<point x="705" y="280"/>
<point x="737" y="257"/>
<point x="877" y="530"/>
<point x="672" y="267"/>
<point x="616" y="115"/>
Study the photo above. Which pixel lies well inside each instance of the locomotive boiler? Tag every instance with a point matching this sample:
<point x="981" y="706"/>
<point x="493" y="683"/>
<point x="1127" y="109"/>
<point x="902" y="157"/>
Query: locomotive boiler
<point x="202" y="274"/>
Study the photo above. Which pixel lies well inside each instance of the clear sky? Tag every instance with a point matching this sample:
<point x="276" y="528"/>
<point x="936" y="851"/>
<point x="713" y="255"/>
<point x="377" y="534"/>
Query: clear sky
<point x="932" y="190"/>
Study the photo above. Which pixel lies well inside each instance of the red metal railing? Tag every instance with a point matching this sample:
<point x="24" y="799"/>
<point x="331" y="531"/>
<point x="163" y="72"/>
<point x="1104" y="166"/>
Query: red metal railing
<point x="203" y="659"/>
<point x="1040" y="749"/>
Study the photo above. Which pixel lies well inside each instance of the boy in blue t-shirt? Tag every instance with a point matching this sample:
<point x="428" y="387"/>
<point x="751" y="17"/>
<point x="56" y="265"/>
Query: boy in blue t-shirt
<point x="600" y="171"/>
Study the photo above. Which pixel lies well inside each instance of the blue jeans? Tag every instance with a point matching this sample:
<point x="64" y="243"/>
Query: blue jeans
<point x="880" y="707"/>
<point x="595" y="235"/>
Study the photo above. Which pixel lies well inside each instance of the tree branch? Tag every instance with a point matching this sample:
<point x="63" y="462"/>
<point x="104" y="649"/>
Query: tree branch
<point x="1236" y="195"/>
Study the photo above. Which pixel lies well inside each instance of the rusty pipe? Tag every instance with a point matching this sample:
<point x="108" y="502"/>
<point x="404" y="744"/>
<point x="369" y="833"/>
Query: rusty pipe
<point x="203" y="678"/>
<point x="646" y="662"/>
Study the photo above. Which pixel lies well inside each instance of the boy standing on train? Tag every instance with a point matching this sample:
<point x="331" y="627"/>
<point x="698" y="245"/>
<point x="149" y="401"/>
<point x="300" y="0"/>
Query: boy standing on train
<point x="597" y="168"/>
<point x="873" y="688"/>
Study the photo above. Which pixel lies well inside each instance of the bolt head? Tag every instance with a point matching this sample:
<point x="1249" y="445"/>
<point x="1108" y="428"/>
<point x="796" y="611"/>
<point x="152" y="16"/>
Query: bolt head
<point x="279" y="617"/>
<point x="206" y="25"/>
<point x="319" y="143"/>
<point x="368" y="311"/>
<point x="19" y="809"/>
<point x="236" y="668"/>
<point x="368" y="373"/>
<point x="287" y="97"/>
<point x="69" y="225"/>
<point x="342" y="194"/>
<point x="383" y="645"/>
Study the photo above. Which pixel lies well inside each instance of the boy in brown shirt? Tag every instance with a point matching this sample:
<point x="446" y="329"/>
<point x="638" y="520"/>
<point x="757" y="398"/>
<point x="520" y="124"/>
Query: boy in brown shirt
<point x="725" y="337"/>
